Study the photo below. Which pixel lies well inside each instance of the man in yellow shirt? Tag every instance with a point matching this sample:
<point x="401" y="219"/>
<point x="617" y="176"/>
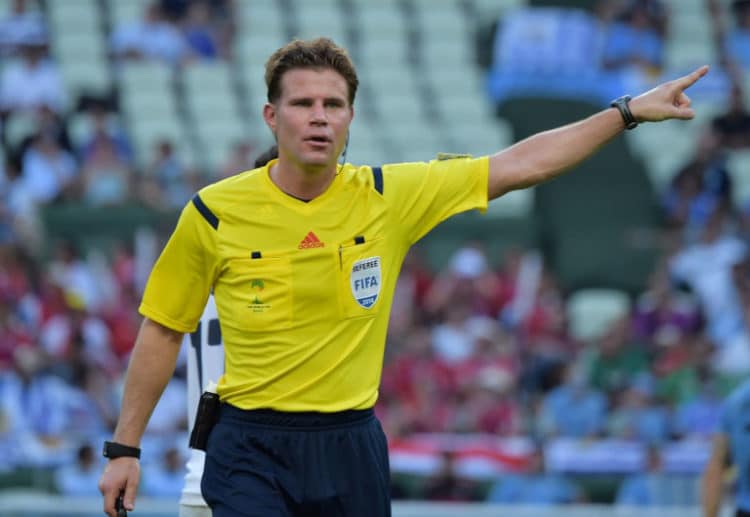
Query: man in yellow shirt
<point x="302" y="256"/>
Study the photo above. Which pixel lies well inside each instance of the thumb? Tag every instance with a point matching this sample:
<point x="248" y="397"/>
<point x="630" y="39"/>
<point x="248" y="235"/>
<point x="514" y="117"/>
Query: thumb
<point x="684" y="113"/>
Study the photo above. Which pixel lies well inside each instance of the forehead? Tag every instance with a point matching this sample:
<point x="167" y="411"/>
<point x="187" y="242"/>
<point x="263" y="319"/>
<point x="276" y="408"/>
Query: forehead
<point x="313" y="82"/>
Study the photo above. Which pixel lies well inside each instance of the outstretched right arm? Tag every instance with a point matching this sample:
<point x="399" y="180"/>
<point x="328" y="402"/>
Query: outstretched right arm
<point x="151" y="366"/>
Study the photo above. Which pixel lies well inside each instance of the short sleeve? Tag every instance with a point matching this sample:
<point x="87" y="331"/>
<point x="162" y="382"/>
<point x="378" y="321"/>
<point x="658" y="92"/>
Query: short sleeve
<point x="425" y="194"/>
<point x="182" y="278"/>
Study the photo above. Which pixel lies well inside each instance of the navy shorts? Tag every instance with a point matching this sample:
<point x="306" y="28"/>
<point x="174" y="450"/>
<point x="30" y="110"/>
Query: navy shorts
<point x="264" y="463"/>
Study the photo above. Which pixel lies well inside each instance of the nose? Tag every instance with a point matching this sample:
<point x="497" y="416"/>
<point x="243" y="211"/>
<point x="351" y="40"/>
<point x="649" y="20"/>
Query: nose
<point x="318" y="114"/>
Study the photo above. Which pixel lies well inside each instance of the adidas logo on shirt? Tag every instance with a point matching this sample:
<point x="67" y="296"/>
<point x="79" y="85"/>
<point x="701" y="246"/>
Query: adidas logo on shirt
<point x="310" y="241"/>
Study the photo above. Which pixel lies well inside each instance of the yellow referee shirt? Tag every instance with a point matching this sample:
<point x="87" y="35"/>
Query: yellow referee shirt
<point x="304" y="289"/>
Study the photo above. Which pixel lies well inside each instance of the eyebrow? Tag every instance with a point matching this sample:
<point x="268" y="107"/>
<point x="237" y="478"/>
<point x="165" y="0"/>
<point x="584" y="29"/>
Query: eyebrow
<point x="325" y="99"/>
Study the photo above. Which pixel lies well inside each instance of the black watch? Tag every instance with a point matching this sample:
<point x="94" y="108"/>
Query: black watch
<point x="114" y="450"/>
<point x="621" y="103"/>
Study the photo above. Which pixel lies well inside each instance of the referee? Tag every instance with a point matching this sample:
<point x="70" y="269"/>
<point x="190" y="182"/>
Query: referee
<point x="302" y="256"/>
<point x="731" y="448"/>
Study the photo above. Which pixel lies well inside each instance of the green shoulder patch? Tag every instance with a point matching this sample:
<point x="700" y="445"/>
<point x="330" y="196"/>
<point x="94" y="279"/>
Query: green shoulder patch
<point x="452" y="156"/>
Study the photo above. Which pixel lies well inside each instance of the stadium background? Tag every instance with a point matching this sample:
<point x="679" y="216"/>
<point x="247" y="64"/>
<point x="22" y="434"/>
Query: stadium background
<point x="575" y="340"/>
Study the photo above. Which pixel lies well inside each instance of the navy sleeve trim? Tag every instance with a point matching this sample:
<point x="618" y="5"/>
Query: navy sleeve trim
<point x="206" y="212"/>
<point x="377" y="174"/>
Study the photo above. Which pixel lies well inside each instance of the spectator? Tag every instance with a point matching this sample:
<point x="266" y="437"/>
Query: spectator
<point x="74" y="275"/>
<point x="639" y="415"/>
<point x="152" y="37"/>
<point x="536" y="486"/>
<point x="448" y="484"/>
<point x="106" y="132"/>
<point x="33" y="81"/>
<point x="412" y="287"/>
<point x="106" y="177"/>
<point x="17" y="25"/>
<point x="573" y="409"/>
<point x="733" y="127"/>
<point x="240" y="159"/>
<point x="617" y="359"/>
<point x="634" y="40"/>
<point x="80" y="478"/>
<point x="468" y="281"/>
<point x="657" y="488"/>
<point x="35" y="405"/>
<point x="700" y="416"/>
<point x="167" y="177"/>
<point x="165" y="477"/>
<point x="706" y="267"/>
<point x="49" y="172"/>
<point x="700" y="188"/>
<point x="199" y="32"/>
<point x="662" y="314"/>
<point x="18" y="215"/>
<point x="737" y="40"/>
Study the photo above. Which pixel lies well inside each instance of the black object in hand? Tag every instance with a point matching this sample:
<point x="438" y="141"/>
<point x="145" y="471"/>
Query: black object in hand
<point x="120" y="507"/>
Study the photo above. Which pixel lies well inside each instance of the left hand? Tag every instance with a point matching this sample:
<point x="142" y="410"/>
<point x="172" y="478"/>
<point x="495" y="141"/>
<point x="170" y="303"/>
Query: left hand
<point x="668" y="100"/>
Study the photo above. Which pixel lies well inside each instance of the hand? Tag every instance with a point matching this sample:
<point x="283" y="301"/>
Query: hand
<point x="668" y="100"/>
<point x="120" y="474"/>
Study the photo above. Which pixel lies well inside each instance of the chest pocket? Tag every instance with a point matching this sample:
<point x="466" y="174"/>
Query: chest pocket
<point x="261" y="294"/>
<point x="360" y="278"/>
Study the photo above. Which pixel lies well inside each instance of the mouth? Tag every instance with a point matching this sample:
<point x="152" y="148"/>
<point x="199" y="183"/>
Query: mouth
<point x="318" y="141"/>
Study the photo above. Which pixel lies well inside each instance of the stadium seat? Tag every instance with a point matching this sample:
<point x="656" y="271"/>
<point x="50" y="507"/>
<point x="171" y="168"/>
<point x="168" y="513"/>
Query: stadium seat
<point x="591" y="311"/>
<point x="254" y="48"/>
<point x="366" y="145"/>
<point x="209" y="90"/>
<point x="320" y="18"/>
<point x="78" y="46"/>
<point x="74" y="16"/>
<point x="650" y="142"/>
<point x="514" y="204"/>
<point x="90" y="76"/>
<point x="126" y="11"/>
<point x="738" y="166"/>
<point x="480" y="139"/>
<point x="146" y="131"/>
<point x="466" y="108"/>
<point x="493" y="8"/>
<point x="378" y="55"/>
<point x="217" y="136"/>
<point x="134" y="76"/>
<point x="380" y="21"/>
<point x="686" y="54"/>
<point x="260" y="16"/>
<point x="19" y="126"/>
<point x="401" y="108"/>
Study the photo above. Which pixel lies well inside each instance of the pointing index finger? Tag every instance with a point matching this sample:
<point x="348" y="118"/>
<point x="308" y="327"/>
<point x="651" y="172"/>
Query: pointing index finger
<point x="690" y="79"/>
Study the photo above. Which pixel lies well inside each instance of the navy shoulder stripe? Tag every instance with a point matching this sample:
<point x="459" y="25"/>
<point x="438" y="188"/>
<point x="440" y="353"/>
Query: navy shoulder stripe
<point x="206" y="212"/>
<point x="377" y="174"/>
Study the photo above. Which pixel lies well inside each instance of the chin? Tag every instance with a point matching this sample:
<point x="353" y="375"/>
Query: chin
<point x="318" y="161"/>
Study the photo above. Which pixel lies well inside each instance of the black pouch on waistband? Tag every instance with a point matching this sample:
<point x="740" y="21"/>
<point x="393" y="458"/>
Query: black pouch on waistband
<point x="205" y="420"/>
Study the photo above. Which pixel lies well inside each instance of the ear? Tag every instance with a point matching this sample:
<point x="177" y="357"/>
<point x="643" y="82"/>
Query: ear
<point x="269" y="115"/>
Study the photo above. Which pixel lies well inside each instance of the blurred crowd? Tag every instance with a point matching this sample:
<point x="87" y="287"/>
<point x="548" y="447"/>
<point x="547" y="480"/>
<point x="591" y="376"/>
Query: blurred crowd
<point x="482" y="346"/>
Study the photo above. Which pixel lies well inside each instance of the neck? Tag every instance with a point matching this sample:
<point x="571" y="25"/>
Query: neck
<point x="302" y="182"/>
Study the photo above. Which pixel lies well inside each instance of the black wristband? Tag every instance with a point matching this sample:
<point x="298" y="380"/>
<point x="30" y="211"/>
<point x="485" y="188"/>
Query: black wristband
<point x="114" y="450"/>
<point x="621" y="103"/>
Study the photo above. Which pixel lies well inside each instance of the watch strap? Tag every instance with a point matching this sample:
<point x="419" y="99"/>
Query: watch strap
<point x="114" y="450"/>
<point x="623" y="106"/>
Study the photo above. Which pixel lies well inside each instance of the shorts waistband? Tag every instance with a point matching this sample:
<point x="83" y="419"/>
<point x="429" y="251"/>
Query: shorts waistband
<point x="294" y="419"/>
